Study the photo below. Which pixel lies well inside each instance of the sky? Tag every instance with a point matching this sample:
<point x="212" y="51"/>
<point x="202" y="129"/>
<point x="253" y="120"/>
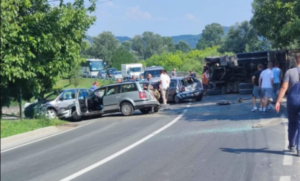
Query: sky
<point x="166" y="17"/>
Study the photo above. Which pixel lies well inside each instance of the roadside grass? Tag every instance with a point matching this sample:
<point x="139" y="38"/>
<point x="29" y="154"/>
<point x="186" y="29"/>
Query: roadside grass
<point x="12" y="127"/>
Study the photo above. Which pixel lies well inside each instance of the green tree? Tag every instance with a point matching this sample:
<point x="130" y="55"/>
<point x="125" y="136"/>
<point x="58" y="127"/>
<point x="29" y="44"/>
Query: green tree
<point x="211" y="36"/>
<point x="243" y="38"/>
<point x="104" y="46"/>
<point x="126" y="45"/>
<point x="39" y="42"/>
<point x="278" y="21"/>
<point x="183" y="46"/>
<point x="121" y="56"/>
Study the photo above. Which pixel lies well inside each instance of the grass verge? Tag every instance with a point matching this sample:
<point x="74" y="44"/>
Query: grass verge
<point x="10" y="128"/>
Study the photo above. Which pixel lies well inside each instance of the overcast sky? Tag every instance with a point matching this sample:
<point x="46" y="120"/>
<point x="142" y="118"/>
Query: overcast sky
<point x="166" y="17"/>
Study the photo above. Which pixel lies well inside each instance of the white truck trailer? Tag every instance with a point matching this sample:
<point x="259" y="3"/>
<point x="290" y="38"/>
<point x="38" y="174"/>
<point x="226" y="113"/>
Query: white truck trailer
<point x="128" y="70"/>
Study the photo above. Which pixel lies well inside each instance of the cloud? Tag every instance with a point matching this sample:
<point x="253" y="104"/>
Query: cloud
<point x="137" y="14"/>
<point x="189" y="16"/>
<point x="112" y="5"/>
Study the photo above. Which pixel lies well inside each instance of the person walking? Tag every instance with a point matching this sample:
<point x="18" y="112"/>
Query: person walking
<point x="291" y="85"/>
<point x="277" y="81"/>
<point x="256" y="93"/>
<point x="205" y="78"/>
<point x="164" y="85"/>
<point x="174" y="73"/>
<point x="266" y="81"/>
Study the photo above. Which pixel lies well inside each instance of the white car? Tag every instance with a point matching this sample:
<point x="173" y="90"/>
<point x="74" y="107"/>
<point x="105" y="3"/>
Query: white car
<point x="117" y="75"/>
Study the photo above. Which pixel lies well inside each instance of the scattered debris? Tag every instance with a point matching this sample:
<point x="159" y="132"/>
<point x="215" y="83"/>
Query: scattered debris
<point x="222" y="103"/>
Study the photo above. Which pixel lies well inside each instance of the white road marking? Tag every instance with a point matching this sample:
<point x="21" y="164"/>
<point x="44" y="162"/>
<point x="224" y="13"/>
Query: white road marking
<point x="3" y="151"/>
<point x="288" y="156"/>
<point x="115" y="155"/>
<point x="285" y="178"/>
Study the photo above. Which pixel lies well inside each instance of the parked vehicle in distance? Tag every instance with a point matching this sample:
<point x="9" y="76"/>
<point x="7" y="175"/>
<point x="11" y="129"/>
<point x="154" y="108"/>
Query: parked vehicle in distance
<point x="109" y="72"/>
<point x="128" y="70"/>
<point x="154" y="71"/>
<point x="122" y="97"/>
<point x="102" y="74"/>
<point x="117" y="75"/>
<point x="56" y="104"/>
<point x="91" y="67"/>
<point x="183" y="88"/>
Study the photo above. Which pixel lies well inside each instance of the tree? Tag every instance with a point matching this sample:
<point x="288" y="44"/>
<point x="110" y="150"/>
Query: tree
<point x="211" y="36"/>
<point x="126" y="45"/>
<point x="243" y="38"/>
<point x="39" y="42"/>
<point x="277" y="20"/>
<point x="168" y="44"/>
<point x="121" y="56"/>
<point x="183" y="46"/>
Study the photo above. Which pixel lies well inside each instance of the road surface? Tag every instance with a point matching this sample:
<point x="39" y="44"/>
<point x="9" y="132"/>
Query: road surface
<point x="197" y="141"/>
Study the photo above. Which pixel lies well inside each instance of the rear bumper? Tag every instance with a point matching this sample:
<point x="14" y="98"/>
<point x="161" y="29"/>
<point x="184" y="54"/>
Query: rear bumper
<point x="190" y="95"/>
<point x="146" y="104"/>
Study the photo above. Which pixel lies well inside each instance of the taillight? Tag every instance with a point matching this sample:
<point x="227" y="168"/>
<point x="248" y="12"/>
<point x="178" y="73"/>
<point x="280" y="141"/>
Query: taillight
<point x="142" y="95"/>
<point x="182" y="89"/>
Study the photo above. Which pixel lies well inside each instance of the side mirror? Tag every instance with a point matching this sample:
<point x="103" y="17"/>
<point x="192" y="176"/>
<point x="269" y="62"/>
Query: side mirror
<point x="61" y="98"/>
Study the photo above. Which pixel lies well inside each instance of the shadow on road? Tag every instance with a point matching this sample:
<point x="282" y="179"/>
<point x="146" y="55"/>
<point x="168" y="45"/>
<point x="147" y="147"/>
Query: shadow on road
<point x="251" y="150"/>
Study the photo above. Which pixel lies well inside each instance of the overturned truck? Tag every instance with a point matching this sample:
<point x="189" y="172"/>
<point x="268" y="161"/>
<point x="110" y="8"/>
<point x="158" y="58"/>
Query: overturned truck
<point x="232" y="74"/>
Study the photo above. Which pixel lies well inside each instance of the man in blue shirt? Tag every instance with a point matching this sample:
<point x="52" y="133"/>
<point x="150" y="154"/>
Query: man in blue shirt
<point x="277" y="81"/>
<point x="94" y="86"/>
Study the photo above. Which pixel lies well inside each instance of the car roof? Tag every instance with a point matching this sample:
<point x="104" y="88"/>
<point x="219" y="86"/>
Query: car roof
<point x="115" y="84"/>
<point x="179" y="78"/>
<point x="73" y="89"/>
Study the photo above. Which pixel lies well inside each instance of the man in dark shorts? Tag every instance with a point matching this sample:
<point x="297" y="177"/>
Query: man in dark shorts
<point x="256" y="94"/>
<point x="291" y="83"/>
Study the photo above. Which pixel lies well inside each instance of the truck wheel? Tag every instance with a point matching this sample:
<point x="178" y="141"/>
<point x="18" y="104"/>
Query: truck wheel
<point x="245" y="86"/>
<point x="245" y="91"/>
<point x="214" y="92"/>
<point x="75" y="116"/>
<point x="127" y="109"/>
<point x="145" y="110"/>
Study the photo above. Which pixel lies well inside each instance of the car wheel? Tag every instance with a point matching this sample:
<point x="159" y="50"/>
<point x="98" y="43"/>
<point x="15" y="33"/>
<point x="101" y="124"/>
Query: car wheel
<point x="156" y="109"/>
<point x="199" y="98"/>
<point x="177" y="99"/>
<point x="127" y="109"/>
<point x="75" y="116"/>
<point x="50" y="114"/>
<point x="145" y="110"/>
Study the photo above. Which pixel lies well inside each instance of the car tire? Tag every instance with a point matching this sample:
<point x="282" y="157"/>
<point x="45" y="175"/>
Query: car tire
<point x="245" y="91"/>
<point x="156" y="109"/>
<point x="214" y="92"/>
<point x="127" y="109"/>
<point x="145" y="110"/>
<point x="177" y="99"/>
<point x="50" y="114"/>
<point x="199" y="98"/>
<point x="75" y="116"/>
<point x="245" y="86"/>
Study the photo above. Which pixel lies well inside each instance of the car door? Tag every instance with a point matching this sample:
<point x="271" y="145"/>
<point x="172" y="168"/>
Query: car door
<point x="82" y="100"/>
<point x="172" y="90"/>
<point x="110" y="99"/>
<point x="66" y="98"/>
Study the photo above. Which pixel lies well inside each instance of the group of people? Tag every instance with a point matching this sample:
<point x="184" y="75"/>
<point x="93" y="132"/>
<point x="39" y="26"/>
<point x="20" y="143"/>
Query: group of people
<point x="267" y="85"/>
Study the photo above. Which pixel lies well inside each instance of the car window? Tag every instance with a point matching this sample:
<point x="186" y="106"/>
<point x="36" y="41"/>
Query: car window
<point x="173" y="83"/>
<point x="66" y="95"/>
<point x="112" y="90"/>
<point x="82" y="94"/>
<point x="99" y="92"/>
<point x="129" y="88"/>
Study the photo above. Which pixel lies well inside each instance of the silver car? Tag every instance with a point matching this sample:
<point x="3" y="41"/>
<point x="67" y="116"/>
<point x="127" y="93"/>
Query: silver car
<point x="123" y="97"/>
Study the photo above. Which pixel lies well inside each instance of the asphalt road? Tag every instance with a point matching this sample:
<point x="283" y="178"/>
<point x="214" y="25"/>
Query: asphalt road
<point x="199" y="141"/>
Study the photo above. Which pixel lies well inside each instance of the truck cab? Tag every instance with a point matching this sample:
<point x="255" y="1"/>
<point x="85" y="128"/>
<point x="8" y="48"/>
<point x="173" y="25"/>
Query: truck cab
<point x="129" y="70"/>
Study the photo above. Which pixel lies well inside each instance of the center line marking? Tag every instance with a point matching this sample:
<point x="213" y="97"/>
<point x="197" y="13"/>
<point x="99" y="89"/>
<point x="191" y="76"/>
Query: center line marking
<point x="285" y="178"/>
<point x="288" y="157"/>
<point x="105" y="160"/>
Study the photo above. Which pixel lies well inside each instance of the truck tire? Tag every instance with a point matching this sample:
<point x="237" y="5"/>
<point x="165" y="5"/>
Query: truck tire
<point x="214" y="92"/>
<point x="245" y="86"/>
<point x="245" y="91"/>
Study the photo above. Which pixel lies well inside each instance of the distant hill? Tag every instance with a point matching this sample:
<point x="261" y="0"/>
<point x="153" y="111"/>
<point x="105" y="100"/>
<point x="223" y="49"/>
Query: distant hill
<point x="192" y="40"/>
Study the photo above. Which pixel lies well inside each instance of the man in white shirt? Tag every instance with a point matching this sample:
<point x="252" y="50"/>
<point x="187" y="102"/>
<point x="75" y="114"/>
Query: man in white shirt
<point x="266" y="83"/>
<point x="164" y="85"/>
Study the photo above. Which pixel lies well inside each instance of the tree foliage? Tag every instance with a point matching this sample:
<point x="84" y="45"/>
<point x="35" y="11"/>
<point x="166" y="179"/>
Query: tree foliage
<point x="277" y="20"/>
<point x="183" y="46"/>
<point x="211" y="36"/>
<point x="242" y="37"/>
<point x="39" y="43"/>
<point x="121" y="56"/>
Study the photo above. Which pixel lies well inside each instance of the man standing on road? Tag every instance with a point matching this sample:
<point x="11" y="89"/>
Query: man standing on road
<point x="205" y="78"/>
<point x="192" y="74"/>
<point x="141" y="78"/>
<point x="133" y="78"/>
<point x="266" y="85"/>
<point x="94" y="86"/>
<point x="149" y="76"/>
<point x="256" y="94"/>
<point x="277" y="80"/>
<point x="291" y="83"/>
<point x="174" y="73"/>
<point x="164" y="85"/>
